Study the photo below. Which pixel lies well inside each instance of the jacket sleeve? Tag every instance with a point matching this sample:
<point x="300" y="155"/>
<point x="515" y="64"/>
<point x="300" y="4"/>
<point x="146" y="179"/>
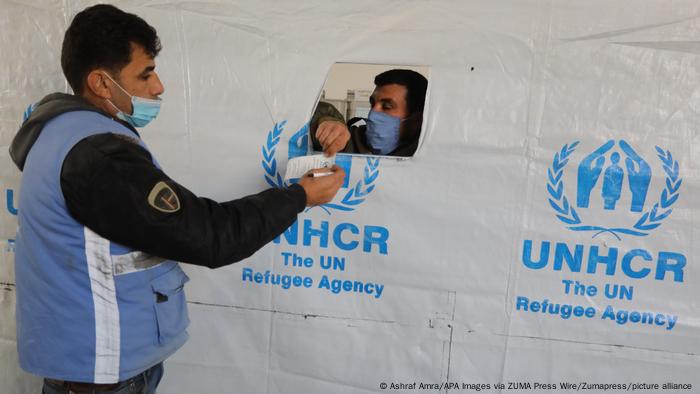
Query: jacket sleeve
<point x="324" y="111"/>
<point x="111" y="185"/>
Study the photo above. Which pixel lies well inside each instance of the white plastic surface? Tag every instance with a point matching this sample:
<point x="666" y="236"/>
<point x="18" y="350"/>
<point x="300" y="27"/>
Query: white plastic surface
<point x="512" y="85"/>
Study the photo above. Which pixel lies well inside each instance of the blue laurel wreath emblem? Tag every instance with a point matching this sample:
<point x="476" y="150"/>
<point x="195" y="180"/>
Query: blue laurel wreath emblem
<point x="555" y="186"/>
<point x="648" y="220"/>
<point x="355" y="195"/>
<point x="269" y="162"/>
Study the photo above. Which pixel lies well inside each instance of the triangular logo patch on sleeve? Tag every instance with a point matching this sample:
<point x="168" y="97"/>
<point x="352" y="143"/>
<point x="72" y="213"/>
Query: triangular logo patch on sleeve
<point x="163" y="198"/>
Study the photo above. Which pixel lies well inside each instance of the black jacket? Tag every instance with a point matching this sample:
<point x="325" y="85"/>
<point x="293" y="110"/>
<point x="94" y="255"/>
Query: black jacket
<point x="109" y="183"/>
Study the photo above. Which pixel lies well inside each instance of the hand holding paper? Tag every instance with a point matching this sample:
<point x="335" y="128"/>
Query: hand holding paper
<point x="299" y="166"/>
<point x="321" y="189"/>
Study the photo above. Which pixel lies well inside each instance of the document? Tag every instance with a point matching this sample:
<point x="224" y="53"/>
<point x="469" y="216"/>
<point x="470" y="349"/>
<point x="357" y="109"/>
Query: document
<point x="299" y="166"/>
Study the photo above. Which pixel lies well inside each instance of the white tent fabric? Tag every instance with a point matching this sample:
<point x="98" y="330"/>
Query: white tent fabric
<point x="468" y="238"/>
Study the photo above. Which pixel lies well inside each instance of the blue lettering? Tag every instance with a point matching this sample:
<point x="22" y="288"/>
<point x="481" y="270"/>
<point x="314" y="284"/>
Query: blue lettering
<point x="328" y="262"/>
<point x="521" y="303"/>
<point x="375" y="235"/>
<point x="672" y="319"/>
<point x="527" y="255"/>
<point x="11" y="202"/>
<point x="562" y="253"/>
<point x="284" y="281"/>
<point x="297" y="261"/>
<point x="371" y="235"/>
<point x="379" y="288"/>
<point x="608" y="314"/>
<point x="567" y="283"/>
<point x="566" y="311"/>
<point x="663" y="266"/>
<point x="624" y="291"/>
<point x="336" y="286"/>
<point x="247" y="274"/>
<point x="635" y="317"/>
<point x="321" y="233"/>
<point x="308" y="282"/>
<point x="609" y="260"/>
<point x="627" y="263"/>
<point x="621" y="317"/>
<point x="337" y="236"/>
<point x="659" y="320"/>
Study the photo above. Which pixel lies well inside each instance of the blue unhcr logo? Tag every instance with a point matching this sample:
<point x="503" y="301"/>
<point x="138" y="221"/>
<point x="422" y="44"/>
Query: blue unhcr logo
<point x="299" y="146"/>
<point x="603" y="162"/>
<point x="10" y="200"/>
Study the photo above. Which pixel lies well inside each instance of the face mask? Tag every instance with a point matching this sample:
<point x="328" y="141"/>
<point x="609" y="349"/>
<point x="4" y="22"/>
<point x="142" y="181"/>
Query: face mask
<point x="145" y="110"/>
<point x="382" y="132"/>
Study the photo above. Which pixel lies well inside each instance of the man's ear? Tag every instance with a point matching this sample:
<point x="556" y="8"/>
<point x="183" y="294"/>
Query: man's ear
<point x="411" y="125"/>
<point x="96" y="83"/>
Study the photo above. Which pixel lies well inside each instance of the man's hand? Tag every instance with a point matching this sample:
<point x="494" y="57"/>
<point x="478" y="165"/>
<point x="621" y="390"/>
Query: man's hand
<point x="333" y="136"/>
<point x="321" y="189"/>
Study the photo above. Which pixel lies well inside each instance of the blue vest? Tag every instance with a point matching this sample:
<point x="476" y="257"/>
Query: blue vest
<point x="88" y="309"/>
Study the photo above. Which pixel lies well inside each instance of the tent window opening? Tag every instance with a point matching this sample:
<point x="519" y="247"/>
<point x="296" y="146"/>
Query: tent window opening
<point x="373" y="109"/>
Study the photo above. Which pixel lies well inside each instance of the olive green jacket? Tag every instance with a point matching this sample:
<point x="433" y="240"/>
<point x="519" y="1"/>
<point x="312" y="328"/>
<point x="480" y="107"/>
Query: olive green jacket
<point x="358" y="140"/>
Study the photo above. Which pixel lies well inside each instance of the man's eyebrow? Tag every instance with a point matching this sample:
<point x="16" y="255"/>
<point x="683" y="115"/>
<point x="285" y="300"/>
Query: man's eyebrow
<point x="147" y="70"/>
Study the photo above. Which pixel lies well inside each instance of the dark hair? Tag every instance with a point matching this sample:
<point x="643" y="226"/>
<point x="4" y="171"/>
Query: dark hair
<point x="101" y="36"/>
<point x="415" y="84"/>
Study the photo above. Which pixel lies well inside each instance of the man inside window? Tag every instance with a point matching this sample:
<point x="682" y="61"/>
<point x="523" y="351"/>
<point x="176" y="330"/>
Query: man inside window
<point x="392" y="127"/>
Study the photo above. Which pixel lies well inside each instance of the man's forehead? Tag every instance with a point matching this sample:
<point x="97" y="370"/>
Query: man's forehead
<point x="392" y="91"/>
<point x="138" y="52"/>
<point x="140" y="60"/>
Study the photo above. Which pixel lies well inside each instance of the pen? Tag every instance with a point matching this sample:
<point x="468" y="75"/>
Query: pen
<point x="319" y="174"/>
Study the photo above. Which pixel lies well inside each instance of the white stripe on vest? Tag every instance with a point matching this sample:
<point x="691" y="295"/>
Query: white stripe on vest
<point x="104" y="297"/>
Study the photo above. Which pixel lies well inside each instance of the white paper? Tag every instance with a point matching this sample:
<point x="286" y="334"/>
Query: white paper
<point x="299" y="166"/>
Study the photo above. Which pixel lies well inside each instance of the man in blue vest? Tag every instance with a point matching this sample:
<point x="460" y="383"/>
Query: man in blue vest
<point x="100" y="300"/>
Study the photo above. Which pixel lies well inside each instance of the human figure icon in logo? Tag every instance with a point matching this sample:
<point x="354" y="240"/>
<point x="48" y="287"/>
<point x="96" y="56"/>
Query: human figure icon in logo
<point x="638" y="176"/>
<point x="612" y="182"/>
<point x="589" y="171"/>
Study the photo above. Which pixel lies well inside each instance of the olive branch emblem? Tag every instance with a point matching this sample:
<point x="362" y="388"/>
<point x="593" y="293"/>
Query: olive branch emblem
<point x="354" y="196"/>
<point x="555" y="186"/>
<point x="649" y="220"/>
<point x="269" y="162"/>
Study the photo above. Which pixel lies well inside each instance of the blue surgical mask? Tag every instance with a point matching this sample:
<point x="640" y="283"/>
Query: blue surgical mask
<point x="382" y="132"/>
<point x="145" y="110"/>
